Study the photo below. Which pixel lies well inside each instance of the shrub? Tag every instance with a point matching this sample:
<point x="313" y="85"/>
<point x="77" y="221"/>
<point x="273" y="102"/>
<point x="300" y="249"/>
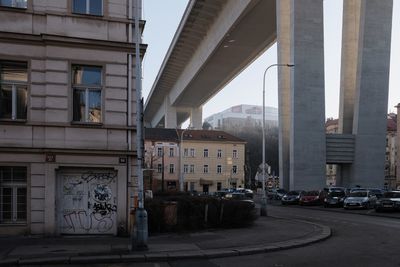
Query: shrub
<point x="191" y="213"/>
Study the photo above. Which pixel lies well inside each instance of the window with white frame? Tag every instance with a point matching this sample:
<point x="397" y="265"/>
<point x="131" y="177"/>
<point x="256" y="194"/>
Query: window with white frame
<point x="171" y="151"/>
<point x="185" y="168"/>
<point x="159" y="168"/>
<point x="234" y="154"/>
<point x="14" y="3"/>
<point x="219" y="153"/>
<point x="205" y="153"/>
<point x="87" y="86"/>
<point x="88" y="7"/>
<point x="192" y="154"/>
<point x="159" y="151"/>
<point x="205" y="168"/>
<point x="219" y="168"/>
<point x="185" y="152"/>
<point x="171" y="168"/>
<point x="191" y="170"/>
<point x="13" y="90"/>
<point x="13" y="195"/>
<point x="234" y="169"/>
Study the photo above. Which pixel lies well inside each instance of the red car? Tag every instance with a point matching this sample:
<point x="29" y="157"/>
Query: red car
<point x="311" y="198"/>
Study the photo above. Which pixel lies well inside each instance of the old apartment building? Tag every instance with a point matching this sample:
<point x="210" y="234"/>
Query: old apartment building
<point x="209" y="160"/>
<point x="67" y="147"/>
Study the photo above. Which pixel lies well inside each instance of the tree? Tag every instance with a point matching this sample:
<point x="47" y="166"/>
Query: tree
<point x="207" y="126"/>
<point x="253" y="136"/>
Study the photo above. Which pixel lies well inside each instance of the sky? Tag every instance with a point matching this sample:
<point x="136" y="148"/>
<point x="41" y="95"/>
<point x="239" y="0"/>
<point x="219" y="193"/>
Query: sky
<point x="163" y="17"/>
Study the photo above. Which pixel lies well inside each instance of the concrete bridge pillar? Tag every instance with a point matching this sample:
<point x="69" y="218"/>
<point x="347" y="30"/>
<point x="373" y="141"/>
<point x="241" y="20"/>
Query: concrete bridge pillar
<point x="370" y="92"/>
<point x="304" y="42"/>
<point x="170" y="118"/>
<point x="196" y="118"/>
<point x="284" y="84"/>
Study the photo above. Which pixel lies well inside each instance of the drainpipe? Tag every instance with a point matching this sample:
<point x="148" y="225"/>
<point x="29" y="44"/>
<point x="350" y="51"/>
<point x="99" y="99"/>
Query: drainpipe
<point x="139" y="241"/>
<point x="130" y="203"/>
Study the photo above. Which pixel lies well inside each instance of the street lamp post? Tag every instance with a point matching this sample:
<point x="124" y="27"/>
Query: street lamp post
<point x="181" y="178"/>
<point x="263" y="209"/>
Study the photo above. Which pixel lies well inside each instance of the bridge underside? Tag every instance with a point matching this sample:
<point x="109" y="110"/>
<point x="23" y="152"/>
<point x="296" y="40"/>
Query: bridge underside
<point x="218" y="39"/>
<point x="240" y="32"/>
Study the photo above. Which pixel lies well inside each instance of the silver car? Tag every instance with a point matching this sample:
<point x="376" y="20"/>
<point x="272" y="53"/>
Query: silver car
<point x="389" y="201"/>
<point x="360" y="199"/>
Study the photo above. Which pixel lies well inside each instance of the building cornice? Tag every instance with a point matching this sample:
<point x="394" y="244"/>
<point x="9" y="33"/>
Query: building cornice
<point x="49" y="39"/>
<point x="99" y="152"/>
<point x="70" y="125"/>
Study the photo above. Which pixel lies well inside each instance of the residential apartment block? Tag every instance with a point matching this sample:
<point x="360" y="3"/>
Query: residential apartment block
<point x="67" y="147"/>
<point x="208" y="160"/>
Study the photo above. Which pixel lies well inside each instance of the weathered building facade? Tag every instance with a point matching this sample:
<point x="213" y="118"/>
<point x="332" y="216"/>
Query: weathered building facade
<point x="66" y="139"/>
<point x="210" y="160"/>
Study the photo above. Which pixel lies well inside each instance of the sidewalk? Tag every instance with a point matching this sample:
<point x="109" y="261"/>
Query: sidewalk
<point x="267" y="234"/>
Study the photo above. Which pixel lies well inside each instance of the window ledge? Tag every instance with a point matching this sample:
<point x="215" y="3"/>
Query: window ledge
<point x="13" y="8"/>
<point x="9" y="121"/>
<point x="87" y="124"/>
<point x="86" y="15"/>
<point x="13" y="224"/>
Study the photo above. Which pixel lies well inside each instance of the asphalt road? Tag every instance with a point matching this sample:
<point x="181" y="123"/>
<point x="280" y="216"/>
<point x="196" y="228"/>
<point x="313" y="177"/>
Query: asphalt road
<point x="357" y="240"/>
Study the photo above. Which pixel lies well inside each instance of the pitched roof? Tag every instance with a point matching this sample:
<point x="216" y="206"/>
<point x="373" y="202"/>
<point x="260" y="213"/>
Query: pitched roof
<point x="392" y="123"/>
<point x="174" y="135"/>
<point x="160" y="134"/>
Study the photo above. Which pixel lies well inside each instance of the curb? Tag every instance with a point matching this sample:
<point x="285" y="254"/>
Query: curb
<point x="325" y="233"/>
<point x="340" y="210"/>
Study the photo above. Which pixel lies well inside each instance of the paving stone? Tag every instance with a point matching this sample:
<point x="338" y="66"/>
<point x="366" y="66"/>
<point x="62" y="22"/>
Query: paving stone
<point x="44" y="260"/>
<point x="133" y="258"/>
<point x="95" y="259"/>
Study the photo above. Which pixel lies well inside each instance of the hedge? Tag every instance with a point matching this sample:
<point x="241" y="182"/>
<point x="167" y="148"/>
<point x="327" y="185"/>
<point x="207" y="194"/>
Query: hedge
<point x="191" y="213"/>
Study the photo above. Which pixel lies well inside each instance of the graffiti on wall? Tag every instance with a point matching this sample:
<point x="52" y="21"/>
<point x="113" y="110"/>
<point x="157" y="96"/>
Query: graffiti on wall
<point x="89" y="205"/>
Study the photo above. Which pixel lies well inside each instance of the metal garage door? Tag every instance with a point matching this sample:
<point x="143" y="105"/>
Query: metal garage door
<point x="87" y="202"/>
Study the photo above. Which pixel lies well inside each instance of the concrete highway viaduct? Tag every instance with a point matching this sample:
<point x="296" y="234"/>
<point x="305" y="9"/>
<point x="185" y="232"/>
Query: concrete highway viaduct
<point x="217" y="39"/>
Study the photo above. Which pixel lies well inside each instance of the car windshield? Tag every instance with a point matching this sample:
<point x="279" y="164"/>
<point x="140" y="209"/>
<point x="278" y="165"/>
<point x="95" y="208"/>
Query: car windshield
<point x="337" y="194"/>
<point x="376" y="191"/>
<point x="311" y="193"/>
<point x="280" y="191"/>
<point x="358" y="194"/>
<point x="293" y="193"/>
<point x="392" y="195"/>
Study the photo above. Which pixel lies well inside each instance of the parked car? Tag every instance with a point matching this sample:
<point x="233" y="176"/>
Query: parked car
<point x="360" y="199"/>
<point x="276" y="194"/>
<point x="240" y="197"/>
<point x="377" y="192"/>
<point x="220" y="193"/>
<point x="335" y="199"/>
<point x="248" y="192"/>
<point x="292" y="197"/>
<point x="334" y="188"/>
<point x="311" y="198"/>
<point x="389" y="201"/>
